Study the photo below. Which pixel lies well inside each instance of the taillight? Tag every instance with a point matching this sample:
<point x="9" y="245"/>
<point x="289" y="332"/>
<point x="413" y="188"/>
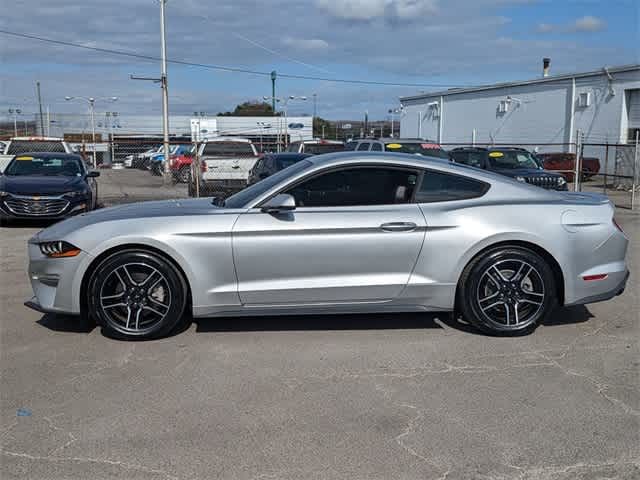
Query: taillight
<point x="203" y="167"/>
<point x="617" y="225"/>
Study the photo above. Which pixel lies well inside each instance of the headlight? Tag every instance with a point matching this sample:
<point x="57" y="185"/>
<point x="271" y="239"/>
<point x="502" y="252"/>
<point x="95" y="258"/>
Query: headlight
<point x="58" y="249"/>
<point x="3" y="194"/>
<point x="79" y="193"/>
<point x="561" y="181"/>
<point x="520" y="179"/>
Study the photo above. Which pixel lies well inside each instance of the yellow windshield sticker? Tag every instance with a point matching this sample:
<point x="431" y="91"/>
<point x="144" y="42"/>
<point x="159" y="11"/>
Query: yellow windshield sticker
<point x="496" y="154"/>
<point x="394" y="145"/>
<point x="24" y="158"/>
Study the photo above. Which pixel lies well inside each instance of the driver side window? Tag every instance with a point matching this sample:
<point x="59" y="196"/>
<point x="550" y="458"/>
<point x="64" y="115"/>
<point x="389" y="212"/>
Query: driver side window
<point x="356" y="187"/>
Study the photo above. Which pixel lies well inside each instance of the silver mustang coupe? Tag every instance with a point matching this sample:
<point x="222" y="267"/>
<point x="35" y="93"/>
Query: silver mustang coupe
<point x="337" y="233"/>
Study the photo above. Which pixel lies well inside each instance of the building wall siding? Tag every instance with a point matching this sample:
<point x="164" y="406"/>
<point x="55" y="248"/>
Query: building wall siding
<point x="539" y="113"/>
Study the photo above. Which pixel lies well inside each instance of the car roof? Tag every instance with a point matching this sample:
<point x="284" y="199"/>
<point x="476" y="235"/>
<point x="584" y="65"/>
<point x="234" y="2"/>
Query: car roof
<point x="50" y="155"/>
<point x="486" y="149"/>
<point x="394" y="140"/>
<point x="288" y="155"/>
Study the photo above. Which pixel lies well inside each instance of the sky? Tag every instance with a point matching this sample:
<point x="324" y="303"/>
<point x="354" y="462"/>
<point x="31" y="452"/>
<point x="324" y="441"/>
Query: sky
<point x="436" y="44"/>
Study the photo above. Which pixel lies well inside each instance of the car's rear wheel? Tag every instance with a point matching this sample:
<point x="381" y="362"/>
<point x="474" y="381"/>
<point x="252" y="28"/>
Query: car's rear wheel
<point x="507" y="291"/>
<point x="137" y="294"/>
<point x="184" y="174"/>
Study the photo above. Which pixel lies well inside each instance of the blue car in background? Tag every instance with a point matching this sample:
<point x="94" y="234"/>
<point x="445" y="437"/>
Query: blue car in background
<point x="156" y="164"/>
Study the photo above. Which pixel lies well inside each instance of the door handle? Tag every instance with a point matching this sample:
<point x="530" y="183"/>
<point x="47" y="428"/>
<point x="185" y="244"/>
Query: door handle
<point x="398" y="227"/>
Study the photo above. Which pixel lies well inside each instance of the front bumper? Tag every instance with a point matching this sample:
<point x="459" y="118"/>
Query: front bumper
<point x="55" y="281"/>
<point x="41" y="208"/>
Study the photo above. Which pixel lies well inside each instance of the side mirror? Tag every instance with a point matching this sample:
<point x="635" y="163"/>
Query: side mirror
<point x="93" y="174"/>
<point x="280" y="203"/>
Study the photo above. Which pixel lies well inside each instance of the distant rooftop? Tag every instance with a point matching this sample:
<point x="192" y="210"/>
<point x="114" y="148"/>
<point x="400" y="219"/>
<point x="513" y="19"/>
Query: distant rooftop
<point x="550" y="78"/>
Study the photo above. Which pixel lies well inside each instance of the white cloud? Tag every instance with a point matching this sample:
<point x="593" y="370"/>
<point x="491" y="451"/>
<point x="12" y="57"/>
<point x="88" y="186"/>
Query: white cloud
<point x="372" y="9"/>
<point x="309" y="44"/>
<point x="588" y="23"/>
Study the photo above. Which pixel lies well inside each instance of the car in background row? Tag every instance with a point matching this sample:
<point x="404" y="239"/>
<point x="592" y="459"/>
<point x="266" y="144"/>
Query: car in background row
<point x="316" y="147"/>
<point x="271" y="163"/>
<point x="225" y="165"/>
<point x="566" y="163"/>
<point x="513" y="162"/>
<point x="156" y="162"/>
<point x="398" y="145"/>
<point x="47" y="186"/>
<point x="135" y="159"/>
<point x="20" y="145"/>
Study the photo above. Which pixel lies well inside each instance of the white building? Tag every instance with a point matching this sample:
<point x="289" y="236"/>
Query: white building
<point x="603" y="105"/>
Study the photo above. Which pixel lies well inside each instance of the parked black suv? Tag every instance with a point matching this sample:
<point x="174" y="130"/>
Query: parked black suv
<point x="271" y="163"/>
<point x="513" y="162"/>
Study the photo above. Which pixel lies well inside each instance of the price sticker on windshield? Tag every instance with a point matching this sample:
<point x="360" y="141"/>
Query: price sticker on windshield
<point x="496" y="154"/>
<point x="394" y="146"/>
<point x="24" y="158"/>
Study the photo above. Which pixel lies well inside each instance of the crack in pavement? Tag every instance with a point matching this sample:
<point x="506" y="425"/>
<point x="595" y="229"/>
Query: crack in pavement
<point x="104" y="461"/>
<point x="537" y="473"/>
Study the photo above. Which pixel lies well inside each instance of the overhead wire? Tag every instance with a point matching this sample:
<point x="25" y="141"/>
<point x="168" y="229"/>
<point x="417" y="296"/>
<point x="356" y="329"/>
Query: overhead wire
<point x="141" y="56"/>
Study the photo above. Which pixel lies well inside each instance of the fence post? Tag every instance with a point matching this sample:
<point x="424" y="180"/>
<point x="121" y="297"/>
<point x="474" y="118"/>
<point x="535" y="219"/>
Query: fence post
<point x="634" y="185"/>
<point x="196" y="175"/>
<point x="606" y="165"/>
<point x="576" y="174"/>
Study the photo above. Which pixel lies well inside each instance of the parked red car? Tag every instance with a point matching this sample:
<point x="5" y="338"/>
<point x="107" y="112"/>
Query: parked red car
<point x="180" y="166"/>
<point x="566" y="164"/>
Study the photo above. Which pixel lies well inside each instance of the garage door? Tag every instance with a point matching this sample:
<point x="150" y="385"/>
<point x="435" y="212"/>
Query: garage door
<point x="634" y="108"/>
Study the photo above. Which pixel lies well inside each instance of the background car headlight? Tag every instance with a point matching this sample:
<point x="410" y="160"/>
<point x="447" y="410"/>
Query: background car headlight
<point x="520" y="179"/>
<point x="561" y="181"/>
<point x="77" y="193"/>
<point x="3" y="194"/>
<point x="58" y="249"/>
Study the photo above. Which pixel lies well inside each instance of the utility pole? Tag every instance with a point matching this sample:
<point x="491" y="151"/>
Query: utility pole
<point x="165" y="91"/>
<point x="274" y="75"/>
<point x="315" y="105"/>
<point x="40" y="105"/>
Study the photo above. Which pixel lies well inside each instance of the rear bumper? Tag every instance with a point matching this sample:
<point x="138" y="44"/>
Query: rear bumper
<point x="617" y="289"/>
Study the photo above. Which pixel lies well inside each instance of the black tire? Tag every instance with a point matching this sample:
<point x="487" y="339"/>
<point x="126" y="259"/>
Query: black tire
<point x="137" y="294"/>
<point x="184" y="175"/>
<point x="507" y="291"/>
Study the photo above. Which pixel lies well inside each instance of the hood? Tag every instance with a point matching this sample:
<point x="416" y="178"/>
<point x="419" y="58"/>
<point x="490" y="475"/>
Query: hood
<point x="40" y="184"/>
<point x="526" y="172"/>
<point x="137" y="211"/>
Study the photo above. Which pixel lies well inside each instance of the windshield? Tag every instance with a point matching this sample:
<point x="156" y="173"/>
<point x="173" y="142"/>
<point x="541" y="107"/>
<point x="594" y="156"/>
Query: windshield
<point x="16" y="147"/>
<point x="28" y="165"/>
<point x="428" y="149"/>
<point x="228" y="148"/>
<point x="512" y="159"/>
<point x="249" y="194"/>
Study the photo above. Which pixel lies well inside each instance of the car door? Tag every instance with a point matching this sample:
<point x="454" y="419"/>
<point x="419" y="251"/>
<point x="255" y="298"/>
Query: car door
<point x="354" y="237"/>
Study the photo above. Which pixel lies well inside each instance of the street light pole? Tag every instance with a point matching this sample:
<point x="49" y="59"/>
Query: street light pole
<point x="91" y="101"/>
<point x="165" y="91"/>
<point x="15" y="112"/>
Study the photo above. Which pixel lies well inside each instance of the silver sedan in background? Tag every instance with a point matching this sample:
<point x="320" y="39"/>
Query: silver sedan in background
<point x="337" y="233"/>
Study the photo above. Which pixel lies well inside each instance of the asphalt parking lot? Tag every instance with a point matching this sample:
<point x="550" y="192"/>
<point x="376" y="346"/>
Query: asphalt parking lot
<point x="403" y="396"/>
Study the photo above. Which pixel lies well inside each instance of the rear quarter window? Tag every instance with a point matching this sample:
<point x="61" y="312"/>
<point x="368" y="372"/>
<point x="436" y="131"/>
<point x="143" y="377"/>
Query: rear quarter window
<point x="443" y="187"/>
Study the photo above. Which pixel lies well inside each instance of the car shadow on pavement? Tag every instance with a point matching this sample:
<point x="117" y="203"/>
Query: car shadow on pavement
<point x="560" y="316"/>
<point x="66" y="323"/>
<point x="377" y="321"/>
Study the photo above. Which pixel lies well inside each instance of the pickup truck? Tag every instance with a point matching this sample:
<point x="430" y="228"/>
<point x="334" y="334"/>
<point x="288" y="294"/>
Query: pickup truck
<point x="226" y="164"/>
<point x="565" y="163"/>
<point x="18" y="145"/>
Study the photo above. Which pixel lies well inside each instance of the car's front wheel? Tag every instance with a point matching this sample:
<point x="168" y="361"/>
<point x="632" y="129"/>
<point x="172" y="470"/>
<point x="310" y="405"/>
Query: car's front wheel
<point x="507" y="291"/>
<point x="137" y="294"/>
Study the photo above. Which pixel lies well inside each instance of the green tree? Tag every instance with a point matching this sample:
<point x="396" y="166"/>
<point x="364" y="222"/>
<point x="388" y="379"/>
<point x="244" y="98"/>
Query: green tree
<point x="329" y="128"/>
<point x="252" y="108"/>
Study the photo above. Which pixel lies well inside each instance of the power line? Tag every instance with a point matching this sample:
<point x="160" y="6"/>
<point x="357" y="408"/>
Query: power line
<point x="222" y="67"/>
